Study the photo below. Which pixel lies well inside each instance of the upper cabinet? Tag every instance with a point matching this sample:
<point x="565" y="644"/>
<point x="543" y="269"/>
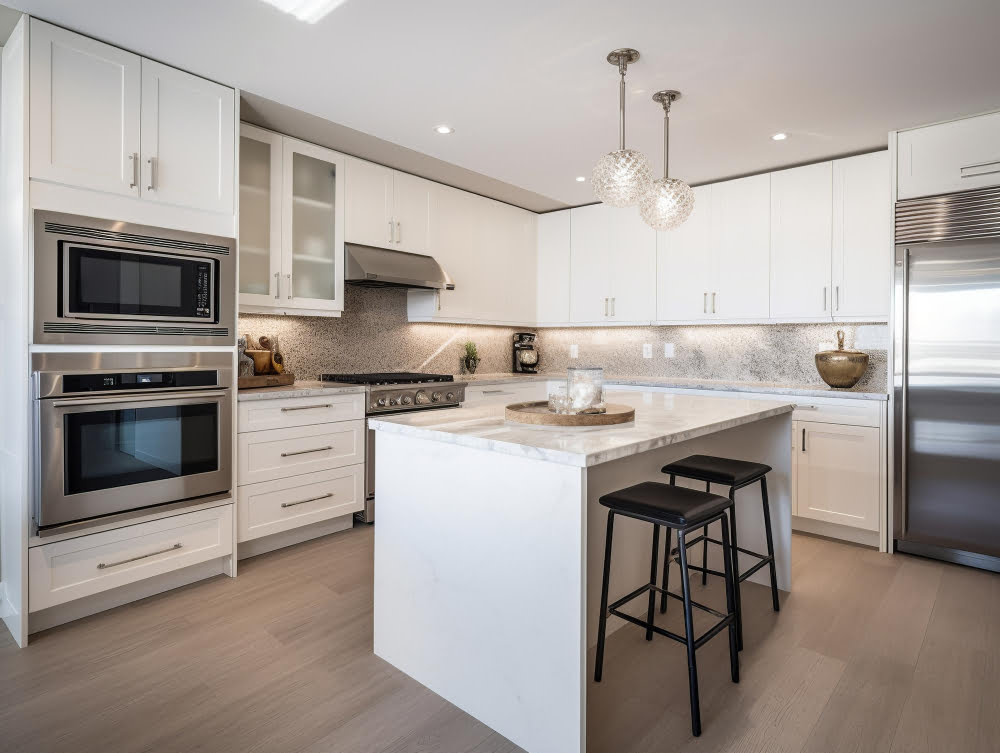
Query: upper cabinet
<point x="801" y="245"/>
<point x="715" y="266"/>
<point x="948" y="157"/>
<point x="553" y="271"/>
<point x="612" y="266"/>
<point x="387" y="208"/>
<point x="291" y="242"/>
<point x="107" y="120"/>
<point x="862" y="247"/>
<point x="84" y="111"/>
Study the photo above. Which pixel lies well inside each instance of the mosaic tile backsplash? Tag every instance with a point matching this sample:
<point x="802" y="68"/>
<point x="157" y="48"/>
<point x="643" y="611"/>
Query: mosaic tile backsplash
<point x="374" y="335"/>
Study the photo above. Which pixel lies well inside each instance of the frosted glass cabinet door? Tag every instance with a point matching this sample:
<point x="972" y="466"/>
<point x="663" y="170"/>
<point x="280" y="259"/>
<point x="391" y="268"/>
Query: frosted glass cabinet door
<point x="312" y="227"/>
<point x="260" y="216"/>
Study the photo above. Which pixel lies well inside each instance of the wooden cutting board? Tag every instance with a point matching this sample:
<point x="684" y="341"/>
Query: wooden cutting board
<point x="538" y="414"/>
<point x="265" y="380"/>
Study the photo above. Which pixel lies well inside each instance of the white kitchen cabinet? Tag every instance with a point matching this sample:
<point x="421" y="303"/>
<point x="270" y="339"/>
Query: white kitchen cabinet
<point x="861" y="242"/>
<point x="948" y="157"/>
<point x="741" y="236"/>
<point x="590" y="291"/>
<point x="291" y="226"/>
<point x="84" y="111"/>
<point x="107" y="120"/>
<point x="553" y="269"/>
<point x="801" y="227"/>
<point x="188" y="150"/>
<point x="837" y="474"/>
<point x="686" y="264"/>
<point x="387" y="208"/>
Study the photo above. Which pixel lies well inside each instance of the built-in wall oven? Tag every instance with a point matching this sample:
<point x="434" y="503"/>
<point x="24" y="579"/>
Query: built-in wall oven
<point x="119" y="432"/>
<point x="99" y="282"/>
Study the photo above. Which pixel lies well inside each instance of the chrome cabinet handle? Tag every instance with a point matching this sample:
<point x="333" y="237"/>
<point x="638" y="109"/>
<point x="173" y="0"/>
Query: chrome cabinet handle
<point x="277" y="285"/>
<point x="439" y="300"/>
<point x="134" y="157"/>
<point x="612" y="307"/>
<point x="288" y="278"/>
<point x="806" y="407"/>
<point x="391" y="231"/>
<point x="836" y="290"/>
<point x="994" y="166"/>
<point x="713" y="302"/>
<point x="605" y="306"/>
<point x="152" y="173"/>
<point x="303" y="501"/>
<point x="399" y="232"/>
<point x="306" y="407"/>
<point x="106" y="565"/>
<point x="803" y="440"/>
<point x="824" y="297"/>
<point x="704" y="303"/>
<point x="306" y="452"/>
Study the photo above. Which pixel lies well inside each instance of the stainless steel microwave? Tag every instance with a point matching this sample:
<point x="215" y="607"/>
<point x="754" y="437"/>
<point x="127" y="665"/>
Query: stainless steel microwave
<point x="99" y="282"/>
<point x="123" y="432"/>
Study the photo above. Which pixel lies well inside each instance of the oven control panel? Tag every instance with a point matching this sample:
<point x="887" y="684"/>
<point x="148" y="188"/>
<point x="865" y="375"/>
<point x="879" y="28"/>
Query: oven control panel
<point x="403" y="397"/>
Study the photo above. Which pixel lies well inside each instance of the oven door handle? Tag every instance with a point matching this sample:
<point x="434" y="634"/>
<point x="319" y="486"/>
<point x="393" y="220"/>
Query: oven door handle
<point x="126" y="400"/>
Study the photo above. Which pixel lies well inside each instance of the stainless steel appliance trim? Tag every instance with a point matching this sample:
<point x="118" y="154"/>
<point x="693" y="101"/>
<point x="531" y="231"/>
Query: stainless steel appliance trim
<point x="124" y="398"/>
<point x="901" y="425"/>
<point x="103" y="566"/>
<point x="951" y="217"/>
<point x="307" y="407"/>
<point x="306" y="452"/>
<point x="311" y="499"/>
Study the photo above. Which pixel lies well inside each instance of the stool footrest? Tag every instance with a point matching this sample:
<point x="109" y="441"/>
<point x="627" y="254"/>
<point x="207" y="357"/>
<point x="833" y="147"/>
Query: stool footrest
<point x="755" y="568"/>
<point x="613" y="607"/>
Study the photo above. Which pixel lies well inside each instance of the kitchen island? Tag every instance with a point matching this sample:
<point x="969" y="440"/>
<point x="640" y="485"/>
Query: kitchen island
<point x="490" y="539"/>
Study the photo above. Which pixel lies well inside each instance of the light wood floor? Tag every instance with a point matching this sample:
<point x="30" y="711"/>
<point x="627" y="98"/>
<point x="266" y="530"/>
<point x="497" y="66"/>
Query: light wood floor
<point x="889" y="654"/>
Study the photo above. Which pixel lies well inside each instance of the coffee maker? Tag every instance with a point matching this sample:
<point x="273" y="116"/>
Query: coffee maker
<point x="525" y="355"/>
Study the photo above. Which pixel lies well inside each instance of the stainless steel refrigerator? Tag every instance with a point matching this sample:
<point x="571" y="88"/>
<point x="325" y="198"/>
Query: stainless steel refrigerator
<point x="946" y="370"/>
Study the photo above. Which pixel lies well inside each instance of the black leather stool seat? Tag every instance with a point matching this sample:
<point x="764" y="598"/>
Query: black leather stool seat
<point x="717" y="470"/>
<point x="671" y="505"/>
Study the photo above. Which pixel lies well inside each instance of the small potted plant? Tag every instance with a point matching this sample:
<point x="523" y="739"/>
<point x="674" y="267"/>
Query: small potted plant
<point x="471" y="359"/>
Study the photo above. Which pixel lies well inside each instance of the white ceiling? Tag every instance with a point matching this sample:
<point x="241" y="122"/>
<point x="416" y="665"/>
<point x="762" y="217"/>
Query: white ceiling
<point x="533" y="103"/>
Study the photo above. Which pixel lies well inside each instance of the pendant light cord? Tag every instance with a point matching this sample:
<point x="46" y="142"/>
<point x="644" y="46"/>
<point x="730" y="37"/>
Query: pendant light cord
<point x="622" y="66"/>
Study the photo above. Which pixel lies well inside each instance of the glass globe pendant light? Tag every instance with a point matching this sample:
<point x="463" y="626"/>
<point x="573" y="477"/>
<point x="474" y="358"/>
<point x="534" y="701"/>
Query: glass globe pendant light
<point x="622" y="177"/>
<point x="668" y="202"/>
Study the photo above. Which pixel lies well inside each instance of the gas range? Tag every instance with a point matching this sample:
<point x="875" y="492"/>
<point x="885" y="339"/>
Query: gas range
<point x="397" y="392"/>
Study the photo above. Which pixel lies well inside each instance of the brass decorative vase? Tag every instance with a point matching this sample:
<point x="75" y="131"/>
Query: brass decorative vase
<point x="841" y="368"/>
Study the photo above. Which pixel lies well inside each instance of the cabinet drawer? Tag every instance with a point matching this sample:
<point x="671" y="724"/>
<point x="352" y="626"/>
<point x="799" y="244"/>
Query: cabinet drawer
<point x="74" y="568"/>
<point x="279" y="505"/>
<point x="267" y="455"/>
<point x="948" y="157"/>
<point x="857" y="413"/>
<point x="258" y="415"/>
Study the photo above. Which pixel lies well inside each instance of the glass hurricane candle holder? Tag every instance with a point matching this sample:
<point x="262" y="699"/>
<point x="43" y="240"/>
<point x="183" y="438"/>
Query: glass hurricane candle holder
<point x="559" y="400"/>
<point x="585" y="389"/>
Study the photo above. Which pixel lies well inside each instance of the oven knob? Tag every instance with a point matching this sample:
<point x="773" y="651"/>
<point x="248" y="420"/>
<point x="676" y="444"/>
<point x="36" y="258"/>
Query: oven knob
<point x="436" y="397"/>
<point x="381" y="402"/>
<point x="451" y="397"/>
<point x="406" y="400"/>
<point x="421" y="398"/>
<point x="392" y="401"/>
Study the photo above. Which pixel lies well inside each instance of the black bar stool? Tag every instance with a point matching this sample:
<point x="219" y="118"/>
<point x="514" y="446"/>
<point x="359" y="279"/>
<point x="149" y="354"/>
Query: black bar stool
<point x="683" y="510"/>
<point x="735" y="474"/>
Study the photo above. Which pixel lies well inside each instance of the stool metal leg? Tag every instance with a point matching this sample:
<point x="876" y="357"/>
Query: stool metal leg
<point x="734" y="650"/>
<point x="652" y="581"/>
<point x="689" y="634"/>
<point x="704" y="545"/>
<point x="666" y="562"/>
<point x="770" y="544"/>
<point x="603" y="621"/>
<point x="736" y="567"/>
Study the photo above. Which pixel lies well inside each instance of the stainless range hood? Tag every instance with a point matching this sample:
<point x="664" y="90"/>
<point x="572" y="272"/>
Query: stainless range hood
<point x="373" y="267"/>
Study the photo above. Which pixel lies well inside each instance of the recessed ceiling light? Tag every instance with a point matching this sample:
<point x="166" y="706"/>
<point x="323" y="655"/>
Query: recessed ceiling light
<point x="444" y="129"/>
<point x="779" y="137"/>
<point x="309" y="11"/>
<point x="580" y="179"/>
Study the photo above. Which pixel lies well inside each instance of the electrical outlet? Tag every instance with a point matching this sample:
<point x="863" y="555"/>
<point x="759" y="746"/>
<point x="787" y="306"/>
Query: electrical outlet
<point x="668" y="350"/>
<point x="574" y="351"/>
<point x="647" y="351"/>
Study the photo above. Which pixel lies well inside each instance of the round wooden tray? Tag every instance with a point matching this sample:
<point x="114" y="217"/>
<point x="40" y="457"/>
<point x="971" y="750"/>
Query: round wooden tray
<point x="538" y="413"/>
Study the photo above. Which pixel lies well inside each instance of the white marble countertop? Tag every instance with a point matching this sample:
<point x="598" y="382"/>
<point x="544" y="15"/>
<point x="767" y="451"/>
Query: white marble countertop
<point x="769" y="388"/>
<point x="661" y="419"/>
<point x="299" y="389"/>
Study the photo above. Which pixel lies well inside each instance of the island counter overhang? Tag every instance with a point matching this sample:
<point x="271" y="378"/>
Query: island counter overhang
<point x="489" y="544"/>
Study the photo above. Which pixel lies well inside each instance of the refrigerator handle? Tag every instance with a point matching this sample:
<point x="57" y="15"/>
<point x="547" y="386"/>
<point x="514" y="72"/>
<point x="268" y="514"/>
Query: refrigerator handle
<point x="904" y="356"/>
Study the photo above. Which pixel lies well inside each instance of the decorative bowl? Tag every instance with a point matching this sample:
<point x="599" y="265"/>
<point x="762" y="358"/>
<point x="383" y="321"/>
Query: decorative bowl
<point x="261" y="360"/>
<point x="841" y="368"/>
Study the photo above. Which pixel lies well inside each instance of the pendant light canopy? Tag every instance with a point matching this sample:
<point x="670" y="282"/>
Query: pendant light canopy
<point x="622" y="177"/>
<point x="668" y="201"/>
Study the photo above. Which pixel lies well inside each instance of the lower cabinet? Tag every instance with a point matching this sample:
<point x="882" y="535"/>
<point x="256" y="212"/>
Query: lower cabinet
<point x="298" y="475"/>
<point x="74" y="568"/>
<point x="837" y="473"/>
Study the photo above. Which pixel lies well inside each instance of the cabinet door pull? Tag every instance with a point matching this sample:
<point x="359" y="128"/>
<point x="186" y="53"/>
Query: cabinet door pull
<point x="612" y="307"/>
<point x="399" y="232"/>
<point x="306" y="407"/>
<point x="288" y="279"/>
<point x="277" y="285"/>
<point x="151" y="161"/>
<point x="704" y="303"/>
<point x="803" y="440"/>
<point x="306" y="452"/>
<point x="824" y="297"/>
<point x="134" y="157"/>
<point x="980" y="168"/>
<point x="392" y="229"/>
<point x="303" y="501"/>
<point x="605" y="306"/>
<point x="713" y="302"/>
<point x="106" y="565"/>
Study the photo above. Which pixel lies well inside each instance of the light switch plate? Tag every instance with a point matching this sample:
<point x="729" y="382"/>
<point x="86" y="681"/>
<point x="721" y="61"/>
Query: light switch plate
<point x="574" y="351"/>
<point x="668" y="350"/>
<point x="647" y="350"/>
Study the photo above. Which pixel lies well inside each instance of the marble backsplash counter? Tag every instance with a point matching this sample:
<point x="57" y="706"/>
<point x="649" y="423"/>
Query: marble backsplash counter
<point x="374" y="335"/>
